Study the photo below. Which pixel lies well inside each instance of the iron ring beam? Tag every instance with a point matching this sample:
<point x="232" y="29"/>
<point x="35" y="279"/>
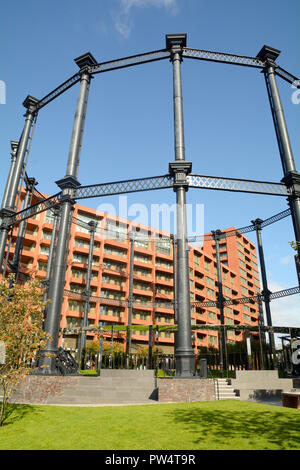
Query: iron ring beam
<point x="35" y="209"/>
<point x="58" y="91"/>
<point x="248" y="228"/>
<point x="222" y="57"/>
<point x="170" y="304"/>
<point x="246" y="300"/>
<point x="129" y="61"/>
<point x="122" y="187"/>
<point x="288" y="77"/>
<point x="234" y="184"/>
<point x="160" y="55"/>
<point x="103" y="67"/>
<point x="49" y="203"/>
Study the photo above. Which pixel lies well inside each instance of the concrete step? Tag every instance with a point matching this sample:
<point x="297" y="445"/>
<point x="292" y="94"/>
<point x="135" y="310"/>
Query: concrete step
<point x="224" y="390"/>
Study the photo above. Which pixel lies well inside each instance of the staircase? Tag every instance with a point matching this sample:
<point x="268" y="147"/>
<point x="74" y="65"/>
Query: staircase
<point x="224" y="390"/>
<point x="113" y="386"/>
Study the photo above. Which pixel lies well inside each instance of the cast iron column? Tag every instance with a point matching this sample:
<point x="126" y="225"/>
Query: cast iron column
<point x="68" y="184"/>
<point x="130" y="295"/>
<point x="11" y="189"/>
<point x="217" y="235"/>
<point x="30" y="183"/>
<point x="185" y="357"/>
<point x="14" y="149"/>
<point x="266" y="293"/>
<point x="82" y="338"/>
<point x="46" y="281"/>
<point x="291" y="176"/>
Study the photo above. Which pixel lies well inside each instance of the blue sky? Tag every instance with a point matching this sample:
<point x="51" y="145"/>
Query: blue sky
<point x="129" y="127"/>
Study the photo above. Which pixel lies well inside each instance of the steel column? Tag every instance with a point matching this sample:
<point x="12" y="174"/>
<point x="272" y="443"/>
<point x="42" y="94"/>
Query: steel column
<point x="266" y="293"/>
<point x="291" y="177"/>
<point x="68" y="185"/>
<point x="185" y="357"/>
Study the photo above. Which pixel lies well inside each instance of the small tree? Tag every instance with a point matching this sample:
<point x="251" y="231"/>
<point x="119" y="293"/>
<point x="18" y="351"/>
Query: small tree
<point x="21" y="331"/>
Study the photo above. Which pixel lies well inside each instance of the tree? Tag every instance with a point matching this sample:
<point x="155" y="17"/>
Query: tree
<point x="21" y="331"/>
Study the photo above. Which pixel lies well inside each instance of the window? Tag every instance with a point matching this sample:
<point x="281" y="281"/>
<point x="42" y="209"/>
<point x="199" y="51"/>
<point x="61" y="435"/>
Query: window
<point x="164" y="263"/>
<point x="111" y="311"/>
<point x="110" y="294"/>
<point x="206" y="264"/>
<point x="44" y="250"/>
<point x="79" y="258"/>
<point x="212" y="340"/>
<point x="141" y="315"/>
<point x="47" y="234"/>
<point x="209" y="281"/>
<point x="210" y="292"/>
<point x="42" y="266"/>
<point x="142" y="258"/>
<point x="111" y="250"/>
<point x="197" y="259"/>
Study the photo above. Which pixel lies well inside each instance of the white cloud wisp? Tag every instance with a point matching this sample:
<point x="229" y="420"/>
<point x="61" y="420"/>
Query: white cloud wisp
<point x="122" y="19"/>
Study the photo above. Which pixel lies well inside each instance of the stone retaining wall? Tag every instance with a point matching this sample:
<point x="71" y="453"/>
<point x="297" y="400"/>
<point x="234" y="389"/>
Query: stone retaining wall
<point x="185" y="390"/>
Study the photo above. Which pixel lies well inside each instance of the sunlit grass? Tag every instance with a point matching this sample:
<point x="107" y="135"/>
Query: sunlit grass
<point x="224" y="424"/>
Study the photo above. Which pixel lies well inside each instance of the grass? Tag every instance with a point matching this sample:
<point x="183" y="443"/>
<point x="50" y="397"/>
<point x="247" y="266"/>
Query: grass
<point x="216" y="425"/>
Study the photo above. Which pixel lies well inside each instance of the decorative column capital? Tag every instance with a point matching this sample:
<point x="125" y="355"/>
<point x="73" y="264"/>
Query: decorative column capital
<point x="180" y="169"/>
<point x="218" y="235"/>
<point x="268" y="54"/>
<point x="175" y="43"/>
<point x="14" y="144"/>
<point x="92" y="226"/>
<point x="30" y="183"/>
<point x="85" y="61"/>
<point x="68" y="182"/>
<point x="30" y="103"/>
<point x="257" y="223"/>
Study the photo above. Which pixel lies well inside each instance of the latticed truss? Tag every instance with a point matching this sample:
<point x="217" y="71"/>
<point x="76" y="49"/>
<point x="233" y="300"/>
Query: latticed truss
<point x="130" y="61"/>
<point x="233" y="184"/>
<point x="222" y="57"/>
<point x="189" y="53"/>
<point x="122" y="187"/>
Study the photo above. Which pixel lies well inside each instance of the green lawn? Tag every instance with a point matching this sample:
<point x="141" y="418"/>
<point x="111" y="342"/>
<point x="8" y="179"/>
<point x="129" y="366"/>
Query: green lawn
<point x="183" y="426"/>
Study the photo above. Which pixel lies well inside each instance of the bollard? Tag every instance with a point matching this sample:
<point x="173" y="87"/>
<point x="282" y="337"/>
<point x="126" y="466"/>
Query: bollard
<point x="203" y="368"/>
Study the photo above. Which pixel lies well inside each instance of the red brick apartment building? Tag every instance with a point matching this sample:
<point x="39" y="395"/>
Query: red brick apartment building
<point x="152" y="278"/>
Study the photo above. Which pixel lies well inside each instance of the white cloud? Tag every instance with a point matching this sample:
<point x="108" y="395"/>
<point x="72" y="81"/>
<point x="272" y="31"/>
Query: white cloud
<point x="122" y="18"/>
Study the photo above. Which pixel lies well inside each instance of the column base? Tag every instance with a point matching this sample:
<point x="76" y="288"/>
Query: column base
<point x="55" y="362"/>
<point x="185" y="364"/>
